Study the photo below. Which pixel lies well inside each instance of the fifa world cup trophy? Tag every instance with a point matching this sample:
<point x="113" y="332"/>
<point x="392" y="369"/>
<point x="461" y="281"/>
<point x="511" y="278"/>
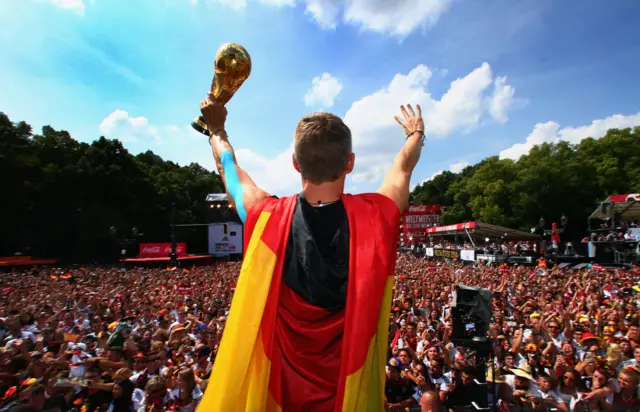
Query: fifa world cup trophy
<point x="232" y="67"/>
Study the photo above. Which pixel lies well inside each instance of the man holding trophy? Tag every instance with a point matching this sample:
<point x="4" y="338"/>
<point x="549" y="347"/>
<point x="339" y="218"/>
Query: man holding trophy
<point x="308" y="325"/>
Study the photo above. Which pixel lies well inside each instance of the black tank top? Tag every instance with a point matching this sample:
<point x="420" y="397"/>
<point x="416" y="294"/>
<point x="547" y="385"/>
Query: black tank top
<point x="317" y="258"/>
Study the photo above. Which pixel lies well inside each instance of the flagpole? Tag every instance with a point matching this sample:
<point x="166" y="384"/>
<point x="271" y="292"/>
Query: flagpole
<point x="173" y="256"/>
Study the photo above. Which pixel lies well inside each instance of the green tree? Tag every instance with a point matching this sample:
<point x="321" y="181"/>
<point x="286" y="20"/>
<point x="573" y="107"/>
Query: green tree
<point x="62" y="196"/>
<point x="549" y="181"/>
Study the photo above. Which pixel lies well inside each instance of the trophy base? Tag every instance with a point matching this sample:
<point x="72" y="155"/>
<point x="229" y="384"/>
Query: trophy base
<point x="200" y="126"/>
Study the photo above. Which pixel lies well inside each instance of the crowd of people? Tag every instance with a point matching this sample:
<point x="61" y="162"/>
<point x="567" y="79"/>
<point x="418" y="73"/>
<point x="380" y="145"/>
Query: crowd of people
<point x="491" y="247"/>
<point x="614" y="236"/>
<point x="562" y="339"/>
<point x="143" y="339"/>
<point x="108" y="338"/>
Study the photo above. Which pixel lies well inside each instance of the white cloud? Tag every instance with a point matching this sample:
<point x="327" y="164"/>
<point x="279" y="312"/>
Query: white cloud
<point x="396" y="17"/>
<point x="598" y="128"/>
<point x="551" y="132"/>
<point x="433" y="176"/>
<point x="76" y="6"/>
<point x="542" y="132"/>
<point x="376" y="135"/>
<point x="324" y="12"/>
<point x="234" y="4"/>
<point x="240" y="5"/>
<point x="324" y="89"/>
<point x="458" y="167"/>
<point x="119" y="125"/>
<point x="275" y="175"/>
<point x="502" y="99"/>
<point x="370" y="169"/>
<point x="279" y="3"/>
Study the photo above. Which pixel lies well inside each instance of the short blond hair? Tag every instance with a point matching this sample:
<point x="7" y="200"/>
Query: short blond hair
<point x="322" y="147"/>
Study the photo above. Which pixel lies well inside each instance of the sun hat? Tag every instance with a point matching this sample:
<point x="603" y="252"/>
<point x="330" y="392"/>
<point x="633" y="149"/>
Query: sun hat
<point x="523" y="371"/>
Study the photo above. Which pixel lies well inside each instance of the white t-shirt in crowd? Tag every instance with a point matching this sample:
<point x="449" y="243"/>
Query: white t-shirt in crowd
<point x="441" y="383"/>
<point x="559" y="340"/>
<point x="196" y="395"/>
<point x="551" y="395"/>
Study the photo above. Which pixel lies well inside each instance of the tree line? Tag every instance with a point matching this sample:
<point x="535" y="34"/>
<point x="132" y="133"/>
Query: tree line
<point x="81" y="202"/>
<point x="551" y="180"/>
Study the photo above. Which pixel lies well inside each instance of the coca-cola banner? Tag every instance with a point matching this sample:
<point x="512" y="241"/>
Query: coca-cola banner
<point x="148" y="250"/>
<point x="418" y="218"/>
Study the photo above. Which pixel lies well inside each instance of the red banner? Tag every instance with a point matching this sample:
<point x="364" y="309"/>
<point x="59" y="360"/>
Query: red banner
<point x="452" y="228"/>
<point x="418" y="218"/>
<point x="148" y="250"/>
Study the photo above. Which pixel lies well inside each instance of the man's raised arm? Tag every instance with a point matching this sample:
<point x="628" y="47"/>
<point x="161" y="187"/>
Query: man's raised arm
<point x="396" y="182"/>
<point x="241" y="190"/>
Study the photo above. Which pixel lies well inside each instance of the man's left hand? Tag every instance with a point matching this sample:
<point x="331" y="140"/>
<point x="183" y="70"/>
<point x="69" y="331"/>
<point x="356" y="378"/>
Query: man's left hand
<point x="214" y="113"/>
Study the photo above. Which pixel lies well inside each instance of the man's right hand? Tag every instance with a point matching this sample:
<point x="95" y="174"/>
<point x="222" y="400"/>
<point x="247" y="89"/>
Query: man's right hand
<point x="241" y="189"/>
<point x="214" y="114"/>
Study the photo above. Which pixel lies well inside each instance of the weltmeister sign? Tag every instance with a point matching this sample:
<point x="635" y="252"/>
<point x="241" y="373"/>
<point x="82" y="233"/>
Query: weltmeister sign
<point x="418" y="218"/>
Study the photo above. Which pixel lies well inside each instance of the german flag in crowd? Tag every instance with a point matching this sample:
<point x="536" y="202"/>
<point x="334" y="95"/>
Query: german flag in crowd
<point x="258" y="367"/>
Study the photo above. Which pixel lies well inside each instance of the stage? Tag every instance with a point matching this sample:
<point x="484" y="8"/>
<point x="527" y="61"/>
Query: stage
<point x="25" y="261"/>
<point x="165" y="259"/>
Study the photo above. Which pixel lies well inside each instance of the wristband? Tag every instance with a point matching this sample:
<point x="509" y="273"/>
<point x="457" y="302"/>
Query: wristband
<point x="417" y="131"/>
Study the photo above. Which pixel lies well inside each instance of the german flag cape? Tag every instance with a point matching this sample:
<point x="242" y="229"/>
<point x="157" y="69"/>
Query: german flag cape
<point x="241" y="373"/>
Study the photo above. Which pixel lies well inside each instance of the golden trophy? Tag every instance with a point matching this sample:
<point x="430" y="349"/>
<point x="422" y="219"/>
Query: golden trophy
<point x="232" y="67"/>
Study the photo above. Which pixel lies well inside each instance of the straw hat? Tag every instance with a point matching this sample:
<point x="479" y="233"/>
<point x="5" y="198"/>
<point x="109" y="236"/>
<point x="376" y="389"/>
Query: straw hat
<point x="523" y="371"/>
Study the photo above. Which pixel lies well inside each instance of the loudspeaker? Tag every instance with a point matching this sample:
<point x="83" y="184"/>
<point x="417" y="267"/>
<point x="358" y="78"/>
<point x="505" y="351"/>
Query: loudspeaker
<point x="471" y="313"/>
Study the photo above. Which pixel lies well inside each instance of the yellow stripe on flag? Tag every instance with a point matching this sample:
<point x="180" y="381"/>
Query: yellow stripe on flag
<point x="364" y="389"/>
<point x="258" y="378"/>
<point x="241" y="364"/>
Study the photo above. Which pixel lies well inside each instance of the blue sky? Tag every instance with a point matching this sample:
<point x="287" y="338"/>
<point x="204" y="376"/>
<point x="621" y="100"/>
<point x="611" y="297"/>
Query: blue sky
<point x="494" y="76"/>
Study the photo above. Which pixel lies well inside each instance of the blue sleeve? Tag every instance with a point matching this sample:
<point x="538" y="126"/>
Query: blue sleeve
<point x="232" y="183"/>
